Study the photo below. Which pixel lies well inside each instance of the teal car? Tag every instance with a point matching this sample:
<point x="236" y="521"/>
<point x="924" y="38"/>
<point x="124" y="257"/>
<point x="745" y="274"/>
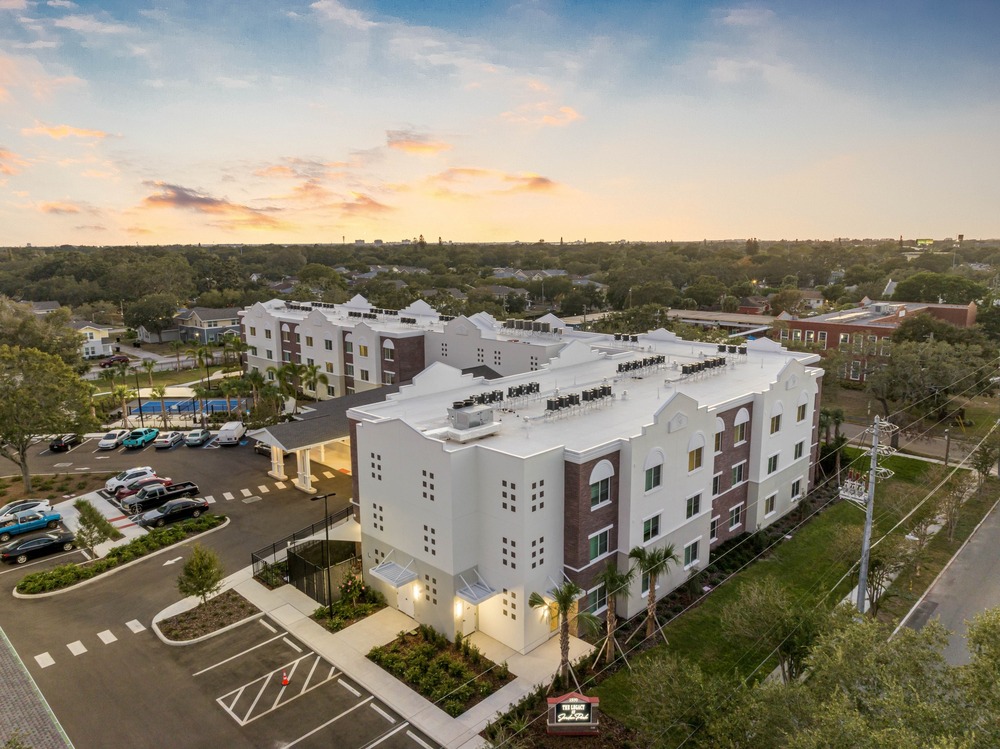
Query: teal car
<point x="26" y="521"/>
<point x="140" y="438"/>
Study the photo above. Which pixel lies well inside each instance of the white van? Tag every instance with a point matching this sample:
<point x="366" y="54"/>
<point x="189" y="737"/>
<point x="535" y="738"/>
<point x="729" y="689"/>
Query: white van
<point x="231" y="433"/>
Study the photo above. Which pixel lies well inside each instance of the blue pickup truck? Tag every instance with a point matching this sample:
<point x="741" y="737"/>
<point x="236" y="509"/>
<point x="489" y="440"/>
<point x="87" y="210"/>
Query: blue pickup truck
<point x="28" y="520"/>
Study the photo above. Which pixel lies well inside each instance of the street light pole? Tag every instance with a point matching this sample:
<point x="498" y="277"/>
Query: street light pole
<point x="326" y="551"/>
<point x="142" y="421"/>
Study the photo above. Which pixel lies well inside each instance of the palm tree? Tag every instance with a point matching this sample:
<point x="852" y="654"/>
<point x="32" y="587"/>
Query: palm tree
<point x="652" y="562"/>
<point x="256" y="381"/>
<point x="122" y="370"/>
<point x="202" y="356"/>
<point x="108" y="375"/>
<point x="160" y="391"/>
<point x="233" y="345"/>
<point x="564" y="597"/>
<point x="201" y="393"/>
<point x="177" y="347"/>
<point x="150" y="366"/>
<point x="615" y="582"/>
<point x="227" y="390"/>
<point x="313" y="378"/>
<point x="122" y="394"/>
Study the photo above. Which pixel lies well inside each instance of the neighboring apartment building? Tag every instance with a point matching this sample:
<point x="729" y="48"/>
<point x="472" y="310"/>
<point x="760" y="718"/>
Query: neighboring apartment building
<point x="207" y="324"/>
<point x="472" y="494"/>
<point x="359" y="347"/>
<point x="864" y="333"/>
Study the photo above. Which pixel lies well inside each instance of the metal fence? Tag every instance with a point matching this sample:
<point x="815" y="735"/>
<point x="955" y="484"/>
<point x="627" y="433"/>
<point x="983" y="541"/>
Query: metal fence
<point x="270" y="564"/>
<point x="309" y="576"/>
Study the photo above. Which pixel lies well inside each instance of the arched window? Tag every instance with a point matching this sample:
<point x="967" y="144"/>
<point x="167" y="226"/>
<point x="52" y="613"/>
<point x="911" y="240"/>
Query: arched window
<point x="349" y="343"/>
<point x="388" y="350"/>
<point x="654" y="469"/>
<point x="740" y="426"/>
<point x="720" y="429"/>
<point x="696" y="451"/>
<point x="600" y="483"/>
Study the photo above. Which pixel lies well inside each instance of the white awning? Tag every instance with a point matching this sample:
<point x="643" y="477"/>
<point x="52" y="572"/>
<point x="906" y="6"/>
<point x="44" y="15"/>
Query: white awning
<point x="477" y="592"/>
<point x="394" y="574"/>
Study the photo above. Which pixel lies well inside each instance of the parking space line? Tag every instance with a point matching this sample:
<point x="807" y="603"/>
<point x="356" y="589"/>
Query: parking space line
<point x="256" y="699"/>
<point x="238" y="655"/>
<point x="236" y="698"/>
<point x="389" y="735"/>
<point x="293" y="646"/>
<point x="230" y="705"/>
<point x="349" y="688"/>
<point x="263" y="489"/>
<point x="77" y="648"/>
<point x="305" y="736"/>
<point x="327" y="475"/>
<point x="135" y="626"/>
<point x="44" y="660"/>
<point x="245" y="492"/>
<point x="382" y="712"/>
<point x="280" y="484"/>
<point x="107" y="637"/>
<point x="227" y="495"/>
<point x="268" y="626"/>
<point x="309" y="676"/>
<point x="420" y="741"/>
<point x="210" y="499"/>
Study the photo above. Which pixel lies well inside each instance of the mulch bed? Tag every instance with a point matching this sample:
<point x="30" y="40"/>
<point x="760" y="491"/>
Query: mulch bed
<point x="225" y="609"/>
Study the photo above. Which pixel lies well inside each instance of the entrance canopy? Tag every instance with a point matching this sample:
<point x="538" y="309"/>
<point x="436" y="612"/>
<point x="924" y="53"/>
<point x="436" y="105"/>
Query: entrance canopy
<point x="396" y="575"/>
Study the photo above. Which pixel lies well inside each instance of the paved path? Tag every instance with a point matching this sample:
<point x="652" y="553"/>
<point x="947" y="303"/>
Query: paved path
<point x="23" y="710"/>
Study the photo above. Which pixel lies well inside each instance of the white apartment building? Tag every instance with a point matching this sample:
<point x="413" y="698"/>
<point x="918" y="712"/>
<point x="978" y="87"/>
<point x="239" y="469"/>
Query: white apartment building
<point x="472" y="494"/>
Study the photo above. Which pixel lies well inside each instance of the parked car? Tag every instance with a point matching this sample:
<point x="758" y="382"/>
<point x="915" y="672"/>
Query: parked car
<point x="197" y="437"/>
<point x="168" y="439"/>
<point x="133" y="486"/>
<point x="113" y="439"/>
<point x="175" y="509"/>
<point x="20" y="551"/>
<point x="28" y="520"/>
<point x="262" y="448"/>
<point x="64" y="442"/>
<point x="127" y="476"/>
<point x="140" y="438"/>
<point x="231" y="433"/>
<point x="20" y="505"/>
<point x="112" y="360"/>
<point x="155" y="495"/>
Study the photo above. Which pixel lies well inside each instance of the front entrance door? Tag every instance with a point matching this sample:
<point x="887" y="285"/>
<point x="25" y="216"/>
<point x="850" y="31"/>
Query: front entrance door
<point x="469" y="617"/>
<point x="404" y="599"/>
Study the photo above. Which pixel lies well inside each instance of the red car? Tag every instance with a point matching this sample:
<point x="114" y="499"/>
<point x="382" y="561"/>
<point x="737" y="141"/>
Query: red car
<point x="112" y="360"/>
<point x="129" y="489"/>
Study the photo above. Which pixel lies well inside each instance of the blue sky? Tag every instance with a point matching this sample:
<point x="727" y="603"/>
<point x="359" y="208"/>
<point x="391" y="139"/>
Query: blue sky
<point x="138" y="122"/>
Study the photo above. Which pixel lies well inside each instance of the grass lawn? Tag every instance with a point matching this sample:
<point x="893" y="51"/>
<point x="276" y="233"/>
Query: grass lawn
<point x="807" y="565"/>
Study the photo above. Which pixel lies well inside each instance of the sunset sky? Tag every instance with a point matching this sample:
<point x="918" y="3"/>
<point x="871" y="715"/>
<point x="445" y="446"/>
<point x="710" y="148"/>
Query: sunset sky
<point x="474" y="120"/>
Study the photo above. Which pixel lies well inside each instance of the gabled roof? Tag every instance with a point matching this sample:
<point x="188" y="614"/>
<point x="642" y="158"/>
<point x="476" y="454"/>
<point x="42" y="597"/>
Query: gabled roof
<point x="210" y="313"/>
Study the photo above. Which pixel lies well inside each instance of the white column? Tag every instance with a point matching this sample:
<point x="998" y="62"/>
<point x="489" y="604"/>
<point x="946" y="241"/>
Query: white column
<point x="277" y="464"/>
<point x="304" y="479"/>
<point x="322" y="453"/>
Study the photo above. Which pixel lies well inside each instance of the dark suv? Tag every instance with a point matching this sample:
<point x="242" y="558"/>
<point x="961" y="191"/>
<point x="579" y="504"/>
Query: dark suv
<point x="64" y="442"/>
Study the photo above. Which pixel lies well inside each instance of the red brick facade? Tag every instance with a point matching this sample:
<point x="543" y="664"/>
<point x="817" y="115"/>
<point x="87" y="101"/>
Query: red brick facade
<point x="581" y="521"/>
<point x="732" y="454"/>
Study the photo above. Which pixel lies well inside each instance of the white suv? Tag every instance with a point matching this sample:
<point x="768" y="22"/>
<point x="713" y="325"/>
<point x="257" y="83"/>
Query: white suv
<point x="127" y="477"/>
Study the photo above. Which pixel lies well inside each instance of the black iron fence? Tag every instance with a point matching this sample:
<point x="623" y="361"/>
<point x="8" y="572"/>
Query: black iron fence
<point x="270" y="564"/>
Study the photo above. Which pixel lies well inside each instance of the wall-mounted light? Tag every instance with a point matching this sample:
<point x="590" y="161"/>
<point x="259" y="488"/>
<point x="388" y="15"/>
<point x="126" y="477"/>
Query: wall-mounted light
<point x="416" y="590"/>
<point x="458" y="609"/>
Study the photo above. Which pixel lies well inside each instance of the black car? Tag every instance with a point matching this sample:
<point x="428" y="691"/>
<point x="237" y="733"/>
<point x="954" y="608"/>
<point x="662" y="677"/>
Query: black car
<point x="18" y="552"/>
<point x="175" y="509"/>
<point x="64" y="442"/>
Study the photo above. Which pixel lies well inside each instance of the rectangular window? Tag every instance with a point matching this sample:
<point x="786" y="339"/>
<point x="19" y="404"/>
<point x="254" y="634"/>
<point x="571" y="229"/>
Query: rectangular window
<point x="800" y="412"/>
<point x="388" y="378"/>
<point x="310" y="361"/>
<point x="886" y="349"/>
<point x="694" y="459"/>
<point x="845" y="339"/>
<point x="855" y="370"/>
<point x="270" y="354"/>
<point x="769" y="505"/>
<point x="717" y="485"/>
<point x="735" y="516"/>
<point x="389" y="354"/>
<point x="599" y="544"/>
<point x="328" y="366"/>
<point x="364" y="375"/>
<point x="796" y="335"/>
<point x="267" y="334"/>
<point x="796" y="489"/>
<point x="253" y="350"/>
<point x="298" y="338"/>
<point x="799" y="448"/>
<point x="690" y="554"/>
<point x="859" y="343"/>
<point x="650" y="528"/>
<point x="253" y="330"/>
<point x="784" y="334"/>
<point x="348" y="347"/>
<point x="645" y="583"/>
<point x="821" y="337"/>
<point x="286" y="355"/>
<point x="718" y="442"/>
<point x="349" y="370"/>
<point x="693" y="506"/>
<point x="362" y="350"/>
<point x="309" y="340"/>
<point x="739" y="433"/>
<point x="596" y="600"/>
<point x="872" y="347"/>
<point x="328" y="344"/>
<point x="653" y="476"/>
<point x="772" y="464"/>
<point x="713" y="531"/>
<point x="739" y="473"/>
<point x="810" y="336"/>
<point x="331" y="391"/>
<point x="775" y="423"/>
<point x="600" y="492"/>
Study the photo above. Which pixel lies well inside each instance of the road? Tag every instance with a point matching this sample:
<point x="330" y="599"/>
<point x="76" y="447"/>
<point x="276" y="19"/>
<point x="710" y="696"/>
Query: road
<point x="968" y="586"/>
<point x="90" y="650"/>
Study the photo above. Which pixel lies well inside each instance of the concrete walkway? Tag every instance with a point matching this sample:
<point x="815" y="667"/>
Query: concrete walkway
<point x="348" y="648"/>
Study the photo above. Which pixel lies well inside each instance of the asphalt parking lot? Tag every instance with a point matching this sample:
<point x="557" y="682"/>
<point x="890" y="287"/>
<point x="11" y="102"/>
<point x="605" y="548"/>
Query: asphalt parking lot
<point x="242" y="671"/>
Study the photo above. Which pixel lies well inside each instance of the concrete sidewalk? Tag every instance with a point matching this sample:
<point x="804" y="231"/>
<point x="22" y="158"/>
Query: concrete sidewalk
<point x="348" y="648"/>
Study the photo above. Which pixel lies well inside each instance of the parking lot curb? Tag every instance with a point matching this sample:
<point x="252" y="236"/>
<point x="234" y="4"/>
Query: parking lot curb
<point x="181" y="643"/>
<point x="113" y="570"/>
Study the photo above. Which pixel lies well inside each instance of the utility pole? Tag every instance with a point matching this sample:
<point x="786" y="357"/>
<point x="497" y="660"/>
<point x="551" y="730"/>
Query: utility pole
<point x="866" y="541"/>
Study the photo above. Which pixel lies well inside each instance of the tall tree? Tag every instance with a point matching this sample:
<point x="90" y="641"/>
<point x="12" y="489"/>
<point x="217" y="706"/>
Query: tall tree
<point x="202" y="574"/>
<point x="150" y="366"/>
<point x="616" y="582"/>
<point x="39" y="395"/>
<point x="652" y="562"/>
<point x="51" y="333"/>
<point x="154" y="312"/>
<point x="564" y="600"/>
<point x="160" y="392"/>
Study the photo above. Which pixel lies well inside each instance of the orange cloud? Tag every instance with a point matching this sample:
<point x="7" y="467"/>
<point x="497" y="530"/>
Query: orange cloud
<point x="277" y="170"/>
<point x="59" y="209"/>
<point x="467" y="182"/>
<point x="232" y="215"/>
<point x="410" y="142"/>
<point x="542" y="114"/>
<point x="10" y="162"/>
<point x="58" y="132"/>
<point x="363" y="205"/>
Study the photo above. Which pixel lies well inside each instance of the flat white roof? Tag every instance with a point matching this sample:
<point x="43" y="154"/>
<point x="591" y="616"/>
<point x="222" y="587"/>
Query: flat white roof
<point x="526" y="427"/>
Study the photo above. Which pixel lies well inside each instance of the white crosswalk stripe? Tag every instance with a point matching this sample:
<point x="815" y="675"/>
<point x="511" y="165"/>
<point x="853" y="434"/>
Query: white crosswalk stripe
<point x="44" y="660"/>
<point x="209" y="498"/>
<point x="280" y="484"/>
<point x="107" y="637"/>
<point x="245" y="492"/>
<point x="327" y="474"/>
<point x="263" y="489"/>
<point x="227" y="495"/>
<point x="77" y="648"/>
<point x="135" y="626"/>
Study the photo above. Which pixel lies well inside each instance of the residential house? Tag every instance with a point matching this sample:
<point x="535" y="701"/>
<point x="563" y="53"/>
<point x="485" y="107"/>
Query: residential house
<point x="207" y="325"/>
<point x="99" y="339"/>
